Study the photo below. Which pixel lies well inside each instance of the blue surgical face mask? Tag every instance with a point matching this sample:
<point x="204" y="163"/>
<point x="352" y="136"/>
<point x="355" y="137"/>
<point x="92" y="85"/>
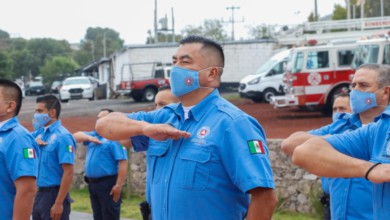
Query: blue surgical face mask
<point x="40" y="120"/>
<point x="362" y="101"/>
<point x="184" y="80"/>
<point x="336" y="115"/>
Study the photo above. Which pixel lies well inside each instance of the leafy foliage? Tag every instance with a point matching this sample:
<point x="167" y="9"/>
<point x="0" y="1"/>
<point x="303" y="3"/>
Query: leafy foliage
<point x="56" y="67"/>
<point x="5" y="65"/>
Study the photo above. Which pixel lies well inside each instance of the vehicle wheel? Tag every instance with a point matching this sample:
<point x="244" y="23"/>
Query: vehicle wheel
<point x="64" y="100"/>
<point x="268" y="93"/>
<point x="92" y="98"/>
<point x="149" y="94"/>
<point x="257" y="99"/>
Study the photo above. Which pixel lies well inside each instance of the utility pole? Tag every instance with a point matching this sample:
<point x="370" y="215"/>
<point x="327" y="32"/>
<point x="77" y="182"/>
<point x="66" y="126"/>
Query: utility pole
<point x="104" y="44"/>
<point x="315" y="11"/>
<point x="155" y="22"/>
<point x="232" y="20"/>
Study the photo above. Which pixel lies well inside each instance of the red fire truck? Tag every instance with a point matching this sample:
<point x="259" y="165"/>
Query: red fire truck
<point x="315" y="74"/>
<point x="376" y="50"/>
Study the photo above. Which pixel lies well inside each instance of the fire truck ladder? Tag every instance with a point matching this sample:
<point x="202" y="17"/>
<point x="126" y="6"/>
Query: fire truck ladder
<point x="349" y="29"/>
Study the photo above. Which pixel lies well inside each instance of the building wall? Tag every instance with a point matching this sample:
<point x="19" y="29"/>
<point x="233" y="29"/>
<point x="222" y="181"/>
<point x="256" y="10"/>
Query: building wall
<point x="241" y="58"/>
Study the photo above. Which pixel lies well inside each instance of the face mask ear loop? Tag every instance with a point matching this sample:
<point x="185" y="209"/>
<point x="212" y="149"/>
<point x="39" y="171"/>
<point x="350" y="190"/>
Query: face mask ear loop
<point x="205" y="87"/>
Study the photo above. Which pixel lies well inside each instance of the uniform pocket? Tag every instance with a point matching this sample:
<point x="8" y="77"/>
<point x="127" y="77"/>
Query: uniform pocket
<point x="195" y="168"/>
<point x="156" y="160"/>
<point x="48" y="160"/>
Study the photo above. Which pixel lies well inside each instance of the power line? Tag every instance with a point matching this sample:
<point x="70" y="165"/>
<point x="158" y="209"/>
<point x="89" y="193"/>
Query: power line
<point x="232" y="20"/>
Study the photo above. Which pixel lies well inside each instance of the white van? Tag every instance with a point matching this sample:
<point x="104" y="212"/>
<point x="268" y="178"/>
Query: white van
<point x="267" y="81"/>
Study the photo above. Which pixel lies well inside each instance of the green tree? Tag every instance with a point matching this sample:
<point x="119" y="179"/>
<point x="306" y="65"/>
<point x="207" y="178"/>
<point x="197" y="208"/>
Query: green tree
<point x="4" y="40"/>
<point x="211" y="28"/>
<point x="5" y="65"/>
<point x="23" y="62"/>
<point x="45" y="48"/>
<point x="56" y="67"/>
<point x="339" y="13"/>
<point x="96" y="38"/>
<point x="258" y="32"/>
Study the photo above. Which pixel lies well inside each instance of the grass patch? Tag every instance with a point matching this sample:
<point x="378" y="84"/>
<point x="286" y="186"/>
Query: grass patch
<point x="231" y="96"/>
<point x="283" y="215"/>
<point x="129" y="206"/>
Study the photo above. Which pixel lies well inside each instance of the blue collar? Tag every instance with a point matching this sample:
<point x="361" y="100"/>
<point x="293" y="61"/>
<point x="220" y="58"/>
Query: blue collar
<point x="355" y="120"/>
<point x="199" y="109"/>
<point x="385" y="113"/>
<point x="54" y="126"/>
<point x="13" y="122"/>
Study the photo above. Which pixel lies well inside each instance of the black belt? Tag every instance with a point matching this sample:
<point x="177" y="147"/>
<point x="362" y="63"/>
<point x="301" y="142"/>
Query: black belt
<point x="99" y="179"/>
<point x="48" y="189"/>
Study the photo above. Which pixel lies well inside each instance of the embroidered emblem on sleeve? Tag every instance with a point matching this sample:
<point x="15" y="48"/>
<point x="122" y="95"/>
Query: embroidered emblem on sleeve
<point x="256" y="147"/>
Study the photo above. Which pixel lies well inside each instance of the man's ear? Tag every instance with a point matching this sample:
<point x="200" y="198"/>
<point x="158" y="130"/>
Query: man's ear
<point x="213" y="74"/>
<point x="387" y="92"/>
<point x="53" y="113"/>
<point x="11" y="107"/>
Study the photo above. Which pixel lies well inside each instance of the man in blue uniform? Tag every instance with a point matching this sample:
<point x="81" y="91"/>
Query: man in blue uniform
<point x="105" y="170"/>
<point x="210" y="174"/>
<point x="18" y="157"/>
<point x="56" y="163"/>
<point x="349" y="197"/>
<point x="357" y="153"/>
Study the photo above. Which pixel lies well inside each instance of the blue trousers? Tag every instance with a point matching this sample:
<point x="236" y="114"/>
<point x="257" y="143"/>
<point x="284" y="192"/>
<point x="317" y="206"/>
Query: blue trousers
<point x="45" y="199"/>
<point x="103" y="206"/>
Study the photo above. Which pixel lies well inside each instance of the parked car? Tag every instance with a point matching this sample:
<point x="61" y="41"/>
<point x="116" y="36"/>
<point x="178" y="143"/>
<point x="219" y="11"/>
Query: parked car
<point x="79" y="87"/>
<point x="55" y="87"/>
<point x="35" y="88"/>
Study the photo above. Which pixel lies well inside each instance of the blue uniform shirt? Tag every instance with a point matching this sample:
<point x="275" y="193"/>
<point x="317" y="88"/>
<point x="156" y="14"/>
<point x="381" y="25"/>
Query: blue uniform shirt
<point x="18" y="157"/>
<point x="103" y="159"/>
<point x="350" y="198"/>
<point x="60" y="149"/>
<point x="208" y="175"/>
<point x="371" y="142"/>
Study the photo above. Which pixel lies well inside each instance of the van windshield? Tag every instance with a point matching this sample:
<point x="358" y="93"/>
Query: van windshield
<point x="266" y="67"/>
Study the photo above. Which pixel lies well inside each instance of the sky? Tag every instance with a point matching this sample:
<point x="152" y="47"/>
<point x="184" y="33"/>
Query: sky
<point x="132" y="19"/>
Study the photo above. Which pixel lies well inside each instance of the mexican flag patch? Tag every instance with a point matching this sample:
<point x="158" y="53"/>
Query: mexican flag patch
<point x="29" y="153"/>
<point x="70" y="149"/>
<point x="256" y="147"/>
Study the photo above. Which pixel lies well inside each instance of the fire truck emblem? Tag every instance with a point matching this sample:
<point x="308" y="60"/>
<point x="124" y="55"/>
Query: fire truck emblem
<point x="188" y="81"/>
<point x="203" y="132"/>
<point x="314" y="78"/>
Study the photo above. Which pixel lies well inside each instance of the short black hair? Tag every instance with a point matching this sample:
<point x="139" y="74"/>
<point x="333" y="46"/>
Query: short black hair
<point x="12" y="92"/>
<point x="106" y="109"/>
<point x="343" y="95"/>
<point x="207" y="43"/>
<point x="51" y="102"/>
<point x="164" y="87"/>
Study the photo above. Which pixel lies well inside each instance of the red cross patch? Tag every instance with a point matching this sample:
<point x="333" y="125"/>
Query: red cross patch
<point x="189" y="81"/>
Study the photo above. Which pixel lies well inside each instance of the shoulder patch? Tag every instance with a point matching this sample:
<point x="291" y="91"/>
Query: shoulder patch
<point x="29" y="153"/>
<point x="256" y="147"/>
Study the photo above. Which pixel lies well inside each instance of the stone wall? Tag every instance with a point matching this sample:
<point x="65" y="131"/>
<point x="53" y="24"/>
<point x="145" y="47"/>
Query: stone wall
<point x="294" y="186"/>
